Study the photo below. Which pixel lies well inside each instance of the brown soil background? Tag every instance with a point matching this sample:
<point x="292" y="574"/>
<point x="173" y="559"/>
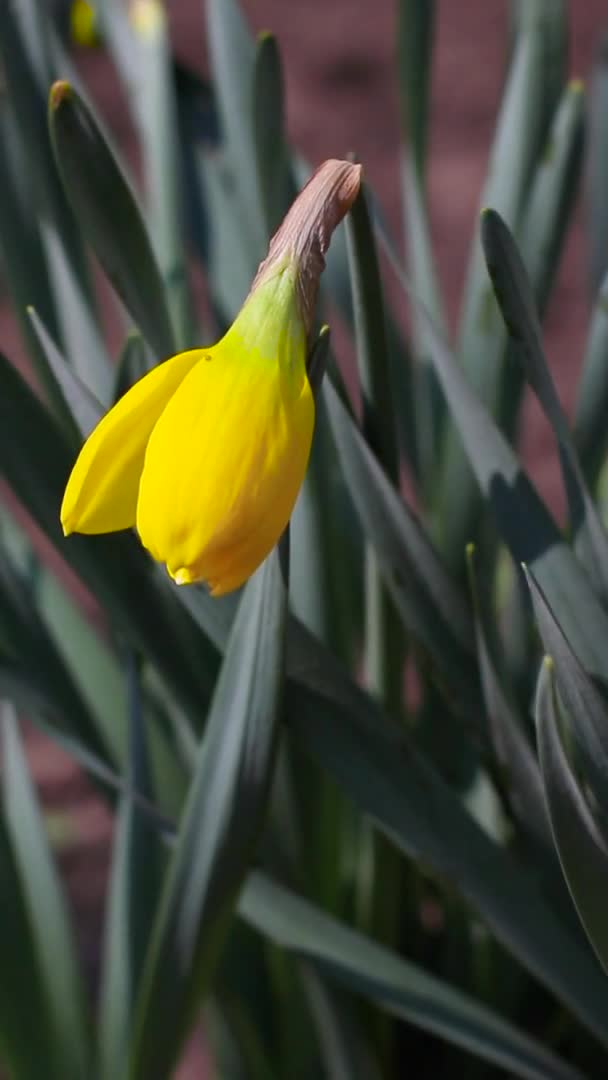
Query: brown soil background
<point x="341" y="96"/>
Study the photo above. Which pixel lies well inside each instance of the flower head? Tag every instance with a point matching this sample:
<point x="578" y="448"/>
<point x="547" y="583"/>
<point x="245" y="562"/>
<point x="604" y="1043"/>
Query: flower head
<point x="206" y="454"/>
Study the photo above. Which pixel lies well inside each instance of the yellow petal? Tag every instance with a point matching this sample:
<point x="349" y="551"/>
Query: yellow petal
<point x="101" y="494"/>
<point x="226" y="459"/>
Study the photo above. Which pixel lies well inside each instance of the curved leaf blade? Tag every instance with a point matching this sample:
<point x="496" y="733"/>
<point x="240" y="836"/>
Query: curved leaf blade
<point x="582" y="851"/>
<point x="392" y="982"/>
<point x="219" y="826"/>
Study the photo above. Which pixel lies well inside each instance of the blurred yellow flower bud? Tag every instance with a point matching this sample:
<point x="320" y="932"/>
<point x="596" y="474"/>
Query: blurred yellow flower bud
<point x="206" y="454"/>
<point x="84" y="26"/>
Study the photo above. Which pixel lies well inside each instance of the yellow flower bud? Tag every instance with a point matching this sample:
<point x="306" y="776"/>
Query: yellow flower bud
<point x="206" y="454"/>
<point x="84" y="28"/>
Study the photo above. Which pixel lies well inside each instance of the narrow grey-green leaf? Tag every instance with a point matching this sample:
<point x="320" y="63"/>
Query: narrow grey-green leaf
<point x="586" y="709"/>
<point x="393" y="983"/>
<point x="277" y="188"/>
<point x="219" y="827"/>
<point x="135" y="882"/>
<point x="513" y="749"/>
<point x="590" y="428"/>
<point x="81" y="405"/>
<point x="580" y="845"/>
<point x="514" y="295"/>
<point x="431" y="605"/>
<point x="372" y="760"/>
<point x="108" y="214"/>
<point x="232" y="54"/>
<point x="553" y="191"/>
<point x="27" y="68"/>
<point x="384" y="656"/>
<point x="53" y="940"/>
<point x="524" y="522"/>
<point x="156" y="115"/>
<point x="133" y="363"/>
<point x="597" y="209"/>
<point x="482" y="339"/>
<point x="415" y="33"/>
<point x="26" y="1037"/>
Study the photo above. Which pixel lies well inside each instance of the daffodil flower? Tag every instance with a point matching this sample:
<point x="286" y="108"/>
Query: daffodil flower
<point x="205" y="455"/>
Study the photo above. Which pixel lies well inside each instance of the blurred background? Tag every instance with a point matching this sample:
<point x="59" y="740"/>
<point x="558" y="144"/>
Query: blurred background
<point x="341" y="95"/>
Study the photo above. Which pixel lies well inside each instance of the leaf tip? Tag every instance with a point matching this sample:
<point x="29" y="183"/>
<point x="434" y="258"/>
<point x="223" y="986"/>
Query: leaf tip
<point x="60" y="91"/>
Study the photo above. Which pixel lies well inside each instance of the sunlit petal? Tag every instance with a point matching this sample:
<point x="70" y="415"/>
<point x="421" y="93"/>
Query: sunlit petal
<point x="101" y="495"/>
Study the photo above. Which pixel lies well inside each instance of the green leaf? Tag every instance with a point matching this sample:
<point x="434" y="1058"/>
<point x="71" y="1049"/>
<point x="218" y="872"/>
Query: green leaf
<point x="597" y="212"/>
<point x="108" y="214"/>
<point x="155" y="107"/>
<point x="219" y="827"/>
<point x="135" y="882"/>
<point x="482" y="339"/>
<point x="60" y="979"/>
<point x="373" y="761"/>
<point x="24" y="46"/>
<point x="26" y="1039"/>
<point x="277" y="189"/>
<point x="553" y="190"/>
<point x="81" y="409"/>
<point x="431" y="605"/>
<point x="590" y="429"/>
<point x="514" y="295"/>
<point x="581" y="848"/>
<point x="585" y="707"/>
<point x="523" y="521"/>
<point x="25" y="268"/>
<point x="132" y="365"/>
<point x="415" y="35"/>
<point x="391" y="982"/>
<point x="512" y="748"/>
<point x="384" y="649"/>
<point x="232" y="56"/>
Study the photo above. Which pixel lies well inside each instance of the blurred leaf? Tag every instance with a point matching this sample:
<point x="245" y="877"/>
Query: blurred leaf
<point x="482" y="339"/>
<point x="342" y="1039"/>
<point x="590" y="428"/>
<point x="512" y="748"/>
<point x="431" y="606"/>
<point x="277" y="189"/>
<point x="60" y="978"/>
<point x="415" y="35"/>
<point x="26" y="57"/>
<point x="135" y="883"/>
<point x="585" y="707"/>
<point x="581" y="848"/>
<point x="384" y="648"/>
<point x="156" y="114"/>
<point x="391" y="982"/>
<point x="24" y="260"/>
<point x="34" y="660"/>
<point x="132" y="365"/>
<point x="232" y="56"/>
<point x="514" y="295"/>
<point x="219" y="828"/>
<point x="324" y="578"/>
<point x="81" y="408"/>
<point x="597" y="199"/>
<point x="108" y="214"/>
<point x="26" y="1038"/>
<point x="553" y="190"/>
